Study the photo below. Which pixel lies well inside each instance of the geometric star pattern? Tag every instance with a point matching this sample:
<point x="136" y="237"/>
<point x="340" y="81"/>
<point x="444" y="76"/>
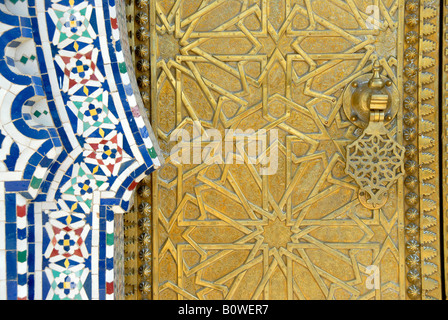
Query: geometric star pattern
<point x="225" y="230"/>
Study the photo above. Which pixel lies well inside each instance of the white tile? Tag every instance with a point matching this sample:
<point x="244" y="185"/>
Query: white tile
<point x="25" y="154"/>
<point x="34" y="144"/>
<point x="95" y="236"/>
<point x="16" y="89"/>
<point x="42" y="23"/>
<point x="107" y="194"/>
<point x="4" y="84"/>
<point x="2" y="93"/>
<point x="38" y="285"/>
<point x="2" y="265"/>
<point x="22" y="291"/>
<point x="112" y="85"/>
<point x="2" y="289"/>
<point x="13" y="132"/>
<point x="22" y="267"/>
<point x="53" y="186"/>
<point x="109" y="275"/>
<point x="2" y="208"/>
<point x="109" y="251"/>
<point x="49" y="206"/>
<point x="38" y="255"/>
<point x="7" y="99"/>
<point x="40" y="6"/>
<point x="94" y="254"/>
<point x="38" y="227"/>
<point x="2" y="236"/>
<point x="132" y="101"/>
<point x="46" y="48"/>
<point x="95" y="289"/>
<point x="103" y="43"/>
<point x="11" y="176"/>
<point x="109" y="226"/>
<point x="22" y="245"/>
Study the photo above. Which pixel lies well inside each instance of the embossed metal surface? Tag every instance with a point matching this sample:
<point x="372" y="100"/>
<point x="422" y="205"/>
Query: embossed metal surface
<point x="224" y="231"/>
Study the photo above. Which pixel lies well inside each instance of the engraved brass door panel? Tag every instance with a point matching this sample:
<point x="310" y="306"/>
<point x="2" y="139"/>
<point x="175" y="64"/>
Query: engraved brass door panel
<point x="289" y="222"/>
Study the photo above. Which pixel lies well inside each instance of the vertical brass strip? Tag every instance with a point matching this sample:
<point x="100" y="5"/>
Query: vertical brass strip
<point x="401" y="46"/>
<point x="119" y="279"/>
<point x="130" y="25"/>
<point x="130" y="253"/>
<point x="144" y="259"/>
<point x="154" y="123"/>
<point x="143" y="202"/>
<point x="137" y="222"/>
<point x="141" y="42"/>
<point x="129" y="218"/>
<point x="444" y="128"/>
<point x="428" y="143"/>
<point x="410" y="116"/>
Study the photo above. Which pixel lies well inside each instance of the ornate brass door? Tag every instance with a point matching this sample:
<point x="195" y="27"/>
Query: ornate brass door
<point x="296" y="219"/>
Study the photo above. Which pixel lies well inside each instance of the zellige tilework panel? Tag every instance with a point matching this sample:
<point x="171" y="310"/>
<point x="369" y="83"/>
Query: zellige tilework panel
<point x="74" y="142"/>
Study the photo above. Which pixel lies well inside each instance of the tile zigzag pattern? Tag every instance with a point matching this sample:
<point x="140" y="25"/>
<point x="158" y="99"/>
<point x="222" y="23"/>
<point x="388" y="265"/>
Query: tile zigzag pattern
<point x="74" y="144"/>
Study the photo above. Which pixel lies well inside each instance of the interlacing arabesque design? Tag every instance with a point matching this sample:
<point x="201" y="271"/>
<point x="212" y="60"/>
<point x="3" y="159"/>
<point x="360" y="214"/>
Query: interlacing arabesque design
<point x="226" y="231"/>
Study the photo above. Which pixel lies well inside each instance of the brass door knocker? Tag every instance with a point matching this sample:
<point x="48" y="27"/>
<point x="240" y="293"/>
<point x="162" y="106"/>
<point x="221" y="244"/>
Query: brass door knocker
<point x="375" y="159"/>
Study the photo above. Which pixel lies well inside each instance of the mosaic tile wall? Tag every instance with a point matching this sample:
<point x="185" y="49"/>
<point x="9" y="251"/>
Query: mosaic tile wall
<point x="74" y="142"/>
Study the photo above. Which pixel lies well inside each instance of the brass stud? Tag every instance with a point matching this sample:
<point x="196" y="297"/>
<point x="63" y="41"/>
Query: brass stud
<point x="410" y="166"/>
<point x="409" y="134"/>
<point x="142" y="51"/>
<point x="414" y="292"/>
<point x="410" y="119"/>
<point x="145" y="270"/>
<point x="411" y="20"/>
<point x="141" y="3"/>
<point x="412" y="5"/>
<point x="142" y="34"/>
<point x="145" y="208"/>
<point x="143" y="65"/>
<point x="411" y="198"/>
<point x="142" y="18"/>
<point x="144" y="191"/>
<point x="145" y="97"/>
<point x="412" y="229"/>
<point x="411" y="151"/>
<point x="413" y="276"/>
<point x="147" y="179"/>
<point x="412" y="214"/>
<point x="143" y="81"/>
<point x="410" y="182"/>
<point x="145" y="224"/>
<point x="410" y="103"/>
<point x="145" y="254"/>
<point x="412" y="260"/>
<point x="145" y="239"/>
<point x="145" y="287"/>
<point x="412" y="246"/>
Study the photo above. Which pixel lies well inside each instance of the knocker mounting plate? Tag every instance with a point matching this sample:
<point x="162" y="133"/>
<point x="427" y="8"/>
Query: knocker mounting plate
<point x="375" y="159"/>
<point x="357" y="96"/>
